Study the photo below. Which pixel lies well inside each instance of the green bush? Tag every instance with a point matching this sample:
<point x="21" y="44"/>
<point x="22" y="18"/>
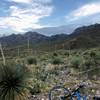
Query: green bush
<point x="55" y="54"/>
<point x="56" y="61"/>
<point x="66" y="53"/>
<point x="39" y="87"/>
<point x="14" y="82"/>
<point x="31" y="60"/>
<point x="92" y="54"/>
<point x="75" y="61"/>
<point x="98" y="56"/>
<point x="87" y="65"/>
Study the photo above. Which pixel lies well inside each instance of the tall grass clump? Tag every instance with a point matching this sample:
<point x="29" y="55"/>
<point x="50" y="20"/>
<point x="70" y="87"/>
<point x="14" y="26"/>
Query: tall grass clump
<point x="14" y="82"/>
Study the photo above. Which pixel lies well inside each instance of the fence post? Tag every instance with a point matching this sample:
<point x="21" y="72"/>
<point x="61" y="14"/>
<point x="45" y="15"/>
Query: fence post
<point x="18" y="51"/>
<point x="2" y="53"/>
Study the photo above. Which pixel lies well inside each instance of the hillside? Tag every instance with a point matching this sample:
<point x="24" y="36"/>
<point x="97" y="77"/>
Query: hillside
<point x="21" y="39"/>
<point x="85" y="37"/>
<point x="82" y="37"/>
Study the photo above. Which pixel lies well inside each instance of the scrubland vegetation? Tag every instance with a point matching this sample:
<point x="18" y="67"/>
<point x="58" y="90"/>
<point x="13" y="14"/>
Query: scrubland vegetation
<point x="38" y="73"/>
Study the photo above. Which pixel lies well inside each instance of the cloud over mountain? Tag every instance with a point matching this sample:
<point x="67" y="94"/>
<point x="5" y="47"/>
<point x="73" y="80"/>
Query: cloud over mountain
<point x="22" y="19"/>
<point x="84" y="11"/>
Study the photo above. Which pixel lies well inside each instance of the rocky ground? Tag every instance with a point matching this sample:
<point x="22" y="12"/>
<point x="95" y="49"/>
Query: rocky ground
<point x="71" y="81"/>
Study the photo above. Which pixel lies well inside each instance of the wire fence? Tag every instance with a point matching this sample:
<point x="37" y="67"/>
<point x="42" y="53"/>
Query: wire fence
<point x="21" y="51"/>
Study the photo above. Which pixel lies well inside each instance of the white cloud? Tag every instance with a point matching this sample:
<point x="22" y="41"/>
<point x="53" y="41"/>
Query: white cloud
<point x="85" y="10"/>
<point x="22" y="19"/>
<point x="30" y="1"/>
<point x="21" y="1"/>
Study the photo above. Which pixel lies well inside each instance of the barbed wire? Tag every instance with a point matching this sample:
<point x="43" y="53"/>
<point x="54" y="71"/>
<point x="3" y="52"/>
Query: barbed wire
<point x="82" y="72"/>
<point x="20" y="46"/>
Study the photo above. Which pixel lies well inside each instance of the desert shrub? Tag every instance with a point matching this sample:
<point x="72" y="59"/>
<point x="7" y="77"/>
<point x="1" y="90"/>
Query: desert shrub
<point x="14" y="82"/>
<point x="39" y="87"/>
<point x="98" y="56"/>
<point x="39" y="81"/>
<point x="36" y="88"/>
<point x="56" y="61"/>
<point x="66" y="53"/>
<point x="90" y="69"/>
<point x="75" y="62"/>
<point x="92" y="54"/>
<point x="55" y="54"/>
<point x="87" y="65"/>
<point x="40" y="73"/>
<point x="31" y="60"/>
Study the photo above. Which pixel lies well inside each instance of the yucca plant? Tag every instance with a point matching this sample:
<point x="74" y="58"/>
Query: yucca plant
<point x="14" y="82"/>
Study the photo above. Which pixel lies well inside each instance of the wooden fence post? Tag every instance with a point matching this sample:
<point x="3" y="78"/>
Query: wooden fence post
<point x="2" y="53"/>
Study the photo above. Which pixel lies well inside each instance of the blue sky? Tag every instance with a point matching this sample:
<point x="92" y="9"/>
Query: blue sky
<point x="18" y="16"/>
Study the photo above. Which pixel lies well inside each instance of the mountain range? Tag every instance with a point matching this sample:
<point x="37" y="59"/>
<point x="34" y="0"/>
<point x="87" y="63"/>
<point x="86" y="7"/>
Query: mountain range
<point x="82" y="37"/>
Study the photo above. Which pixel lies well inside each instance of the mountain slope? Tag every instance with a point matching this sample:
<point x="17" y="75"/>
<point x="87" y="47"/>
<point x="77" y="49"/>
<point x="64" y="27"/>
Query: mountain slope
<point x="22" y="39"/>
<point x="85" y="37"/>
<point x="82" y="37"/>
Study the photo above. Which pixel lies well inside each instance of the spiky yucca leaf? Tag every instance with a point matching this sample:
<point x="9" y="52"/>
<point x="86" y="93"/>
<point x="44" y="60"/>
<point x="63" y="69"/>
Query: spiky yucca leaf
<point x="13" y="82"/>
